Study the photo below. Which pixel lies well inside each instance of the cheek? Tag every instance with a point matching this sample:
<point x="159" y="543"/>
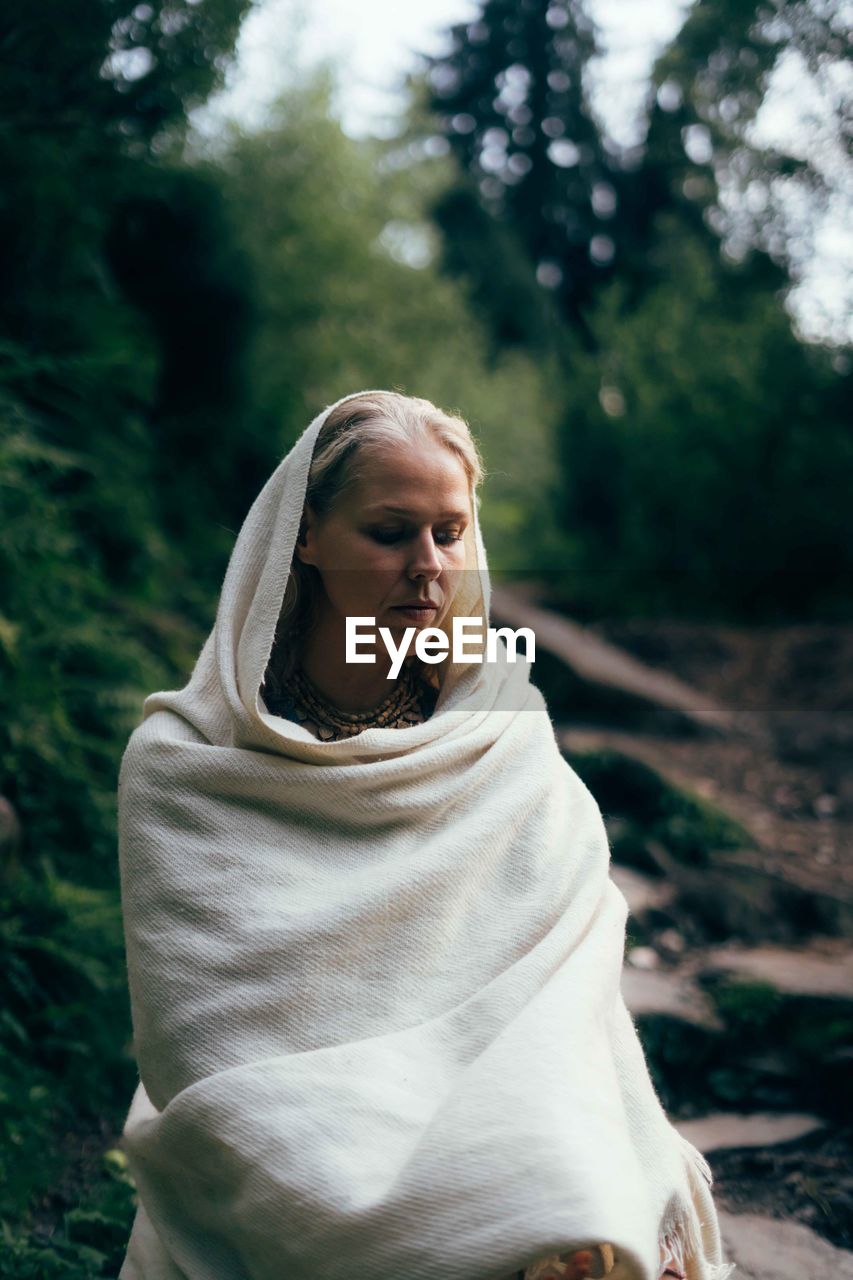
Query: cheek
<point x="380" y="562"/>
<point x="378" y="569"/>
<point x="457" y="558"/>
<point x="454" y="569"/>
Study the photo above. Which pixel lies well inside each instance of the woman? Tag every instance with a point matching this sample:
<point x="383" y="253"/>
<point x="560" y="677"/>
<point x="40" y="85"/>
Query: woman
<point x="373" y="948"/>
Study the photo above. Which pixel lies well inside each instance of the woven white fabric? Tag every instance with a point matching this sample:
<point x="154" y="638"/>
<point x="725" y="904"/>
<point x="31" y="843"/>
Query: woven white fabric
<point x="375" y="982"/>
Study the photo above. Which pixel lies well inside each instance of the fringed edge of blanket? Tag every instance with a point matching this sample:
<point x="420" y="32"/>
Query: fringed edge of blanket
<point x="681" y="1226"/>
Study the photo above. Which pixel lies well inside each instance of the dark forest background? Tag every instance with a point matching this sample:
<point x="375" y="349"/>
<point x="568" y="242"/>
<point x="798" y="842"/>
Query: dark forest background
<point x="610" y="320"/>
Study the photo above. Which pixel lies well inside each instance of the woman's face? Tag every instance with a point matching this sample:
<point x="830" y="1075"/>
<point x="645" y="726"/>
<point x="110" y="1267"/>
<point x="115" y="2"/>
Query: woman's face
<point x="393" y="538"/>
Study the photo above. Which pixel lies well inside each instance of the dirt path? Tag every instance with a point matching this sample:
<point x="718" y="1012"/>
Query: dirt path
<point x="789" y="809"/>
<point x="789" y="780"/>
<point x="758" y="719"/>
<point x="785" y="771"/>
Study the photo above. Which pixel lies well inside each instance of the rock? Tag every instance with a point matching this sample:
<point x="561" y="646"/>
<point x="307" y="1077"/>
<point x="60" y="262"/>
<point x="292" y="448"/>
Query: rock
<point x="651" y="820"/>
<point x="734" y="896"/>
<point x="672" y="941"/>
<point x="827" y="972"/>
<point x="643" y="958"/>
<point x="605" y="677"/>
<point x="825" y="806"/>
<point x="775" y="1249"/>
<point x="730" y="1130"/>
<point x="659" y="991"/>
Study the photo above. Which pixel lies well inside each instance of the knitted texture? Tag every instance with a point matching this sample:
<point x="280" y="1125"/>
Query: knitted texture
<point x="375" y="982"/>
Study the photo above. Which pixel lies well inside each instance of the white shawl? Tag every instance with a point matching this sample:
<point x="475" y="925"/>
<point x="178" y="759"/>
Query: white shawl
<point x="375" y="982"/>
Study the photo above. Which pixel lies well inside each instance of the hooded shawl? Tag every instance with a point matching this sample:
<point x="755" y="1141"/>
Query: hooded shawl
<point x="375" y="982"/>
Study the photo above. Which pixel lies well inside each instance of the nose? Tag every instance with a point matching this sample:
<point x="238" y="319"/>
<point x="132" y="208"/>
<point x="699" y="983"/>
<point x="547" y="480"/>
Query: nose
<point x="424" y="561"/>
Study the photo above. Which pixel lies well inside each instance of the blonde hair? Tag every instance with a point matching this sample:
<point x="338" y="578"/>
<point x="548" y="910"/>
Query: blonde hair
<point x="381" y="418"/>
<point x="352" y="430"/>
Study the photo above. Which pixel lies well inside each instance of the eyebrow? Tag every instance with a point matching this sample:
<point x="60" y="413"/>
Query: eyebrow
<point x="406" y="511"/>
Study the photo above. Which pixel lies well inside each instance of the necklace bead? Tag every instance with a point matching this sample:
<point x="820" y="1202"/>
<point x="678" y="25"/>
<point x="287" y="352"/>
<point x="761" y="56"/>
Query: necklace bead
<point x="410" y="702"/>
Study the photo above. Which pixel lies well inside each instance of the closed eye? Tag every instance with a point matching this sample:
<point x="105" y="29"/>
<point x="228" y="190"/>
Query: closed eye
<point x="388" y="537"/>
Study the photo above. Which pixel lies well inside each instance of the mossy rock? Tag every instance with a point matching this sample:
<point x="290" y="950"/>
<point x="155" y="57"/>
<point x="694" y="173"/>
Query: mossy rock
<point x="575" y="698"/>
<point x="746" y="1007"/>
<point x="773" y="1051"/>
<point x="688" y="826"/>
<point x="809" y="1028"/>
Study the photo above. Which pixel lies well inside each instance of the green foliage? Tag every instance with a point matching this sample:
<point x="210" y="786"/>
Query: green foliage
<point x="129" y="68"/>
<point x="338" y="308"/>
<point x="510" y="97"/>
<point x="801" y="1064"/>
<point x="706" y="454"/>
<point x="97" y="606"/>
<point x="64" y="1064"/>
<point x="88" y="93"/>
<point x="689" y="827"/>
<point x="711" y="83"/>
<point x="90" y="1240"/>
<point x="747" y="1006"/>
<point x="73" y="671"/>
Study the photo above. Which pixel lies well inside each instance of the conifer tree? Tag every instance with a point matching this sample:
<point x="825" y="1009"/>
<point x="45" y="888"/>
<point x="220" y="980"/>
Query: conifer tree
<point x="511" y="98"/>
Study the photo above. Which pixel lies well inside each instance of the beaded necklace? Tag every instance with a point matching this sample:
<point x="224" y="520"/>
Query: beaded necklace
<point x="410" y="702"/>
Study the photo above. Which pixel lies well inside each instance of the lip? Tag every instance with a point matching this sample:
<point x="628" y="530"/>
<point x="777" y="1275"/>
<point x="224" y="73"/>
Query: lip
<point x="416" y="610"/>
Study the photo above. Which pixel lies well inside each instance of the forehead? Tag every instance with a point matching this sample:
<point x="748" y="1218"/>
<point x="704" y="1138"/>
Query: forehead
<point x="414" y="475"/>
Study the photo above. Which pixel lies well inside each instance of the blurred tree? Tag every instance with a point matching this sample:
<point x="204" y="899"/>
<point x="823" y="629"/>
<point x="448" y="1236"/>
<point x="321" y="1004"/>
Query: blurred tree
<point x="134" y="67"/>
<point x="85" y="88"/>
<point x="707" y="154"/>
<point x="114" y="255"/>
<point x="511" y="99"/>
<point x="706" y="455"/>
<point x="336" y="235"/>
<point x="79" y="373"/>
<point x="689" y="395"/>
<point x="173" y="250"/>
<point x="705" y="450"/>
<point x="509" y="298"/>
<point x="97" y="596"/>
